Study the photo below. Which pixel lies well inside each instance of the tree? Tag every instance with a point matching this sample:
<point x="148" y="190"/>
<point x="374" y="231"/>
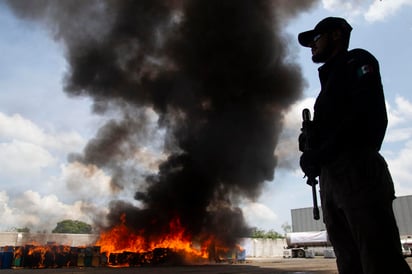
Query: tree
<point x="260" y="233"/>
<point x="22" y="229"/>
<point x="271" y="234"/>
<point x="72" y="226"/>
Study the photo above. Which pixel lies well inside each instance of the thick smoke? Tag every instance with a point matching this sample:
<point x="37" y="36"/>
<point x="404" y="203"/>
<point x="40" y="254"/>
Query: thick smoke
<point x="217" y="74"/>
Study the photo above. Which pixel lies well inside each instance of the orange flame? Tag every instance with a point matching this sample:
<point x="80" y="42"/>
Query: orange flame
<point x="122" y="239"/>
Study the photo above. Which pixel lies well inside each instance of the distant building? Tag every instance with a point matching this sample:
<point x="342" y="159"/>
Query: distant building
<point x="302" y="218"/>
<point x="402" y="208"/>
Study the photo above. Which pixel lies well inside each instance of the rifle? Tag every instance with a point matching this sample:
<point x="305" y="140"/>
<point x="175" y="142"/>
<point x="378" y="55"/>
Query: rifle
<point x="311" y="180"/>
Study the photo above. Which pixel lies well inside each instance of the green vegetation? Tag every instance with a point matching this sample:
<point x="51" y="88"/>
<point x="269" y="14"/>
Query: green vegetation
<point x="72" y="226"/>
<point x="22" y="229"/>
<point x="263" y="234"/>
<point x="271" y="234"/>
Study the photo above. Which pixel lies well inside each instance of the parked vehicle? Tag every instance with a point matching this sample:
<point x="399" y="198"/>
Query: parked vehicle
<point x="307" y="244"/>
<point x="406" y="247"/>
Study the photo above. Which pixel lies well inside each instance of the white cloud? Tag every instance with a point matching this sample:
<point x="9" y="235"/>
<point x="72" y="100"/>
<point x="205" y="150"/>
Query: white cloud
<point x="26" y="150"/>
<point x="400" y="118"/>
<point x="6" y="213"/>
<point x="398" y="147"/>
<point x="32" y="160"/>
<point x="287" y="149"/>
<point x="18" y="128"/>
<point x="352" y="7"/>
<point x="86" y="181"/>
<point x="37" y="212"/>
<point x="380" y="10"/>
<point x="257" y="213"/>
<point x="394" y="116"/>
<point x="398" y="135"/>
<point x="372" y="11"/>
<point x="19" y="158"/>
<point x="293" y="117"/>
<point x="400" y="166"/>
<point x="403" y="108"/>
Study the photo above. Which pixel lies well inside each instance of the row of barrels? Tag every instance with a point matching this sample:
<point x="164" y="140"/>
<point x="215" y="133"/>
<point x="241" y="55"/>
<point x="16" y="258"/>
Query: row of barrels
<point x="52" y="256"/>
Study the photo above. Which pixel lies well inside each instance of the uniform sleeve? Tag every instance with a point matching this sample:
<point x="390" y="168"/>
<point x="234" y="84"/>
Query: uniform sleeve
<point x="358" y="118"/>
<point x="368" y="120"/>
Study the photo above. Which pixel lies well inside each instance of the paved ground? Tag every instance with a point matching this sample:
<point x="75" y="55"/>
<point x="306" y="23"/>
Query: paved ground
<point x="270" y="266"/>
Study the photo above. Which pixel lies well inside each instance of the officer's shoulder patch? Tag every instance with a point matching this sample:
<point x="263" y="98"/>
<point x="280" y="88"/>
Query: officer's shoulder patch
<point x="364" y="69"/>
<point x="362" y="62"/>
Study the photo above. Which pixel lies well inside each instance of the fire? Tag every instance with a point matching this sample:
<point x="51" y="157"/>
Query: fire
<point x="122" y="239"/>
<point x="124" y="247"/>
<point x="42" y="256"/>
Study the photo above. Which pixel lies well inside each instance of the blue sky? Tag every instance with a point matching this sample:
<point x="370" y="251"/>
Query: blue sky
<point x="40" y="125"/>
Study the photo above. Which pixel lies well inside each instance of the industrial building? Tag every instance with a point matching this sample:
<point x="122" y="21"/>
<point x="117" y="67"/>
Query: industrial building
<point x="302" y="218"/>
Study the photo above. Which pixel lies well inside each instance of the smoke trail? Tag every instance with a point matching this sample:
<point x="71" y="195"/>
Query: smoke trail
<point x="215" y="73"/>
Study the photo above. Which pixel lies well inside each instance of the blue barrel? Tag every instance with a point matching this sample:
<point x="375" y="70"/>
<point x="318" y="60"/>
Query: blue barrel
<point x="241" y="256"/>
<point x="7" y="260"/>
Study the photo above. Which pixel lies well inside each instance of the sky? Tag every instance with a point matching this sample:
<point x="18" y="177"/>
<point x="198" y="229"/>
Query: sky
<point x="40" y="125"/>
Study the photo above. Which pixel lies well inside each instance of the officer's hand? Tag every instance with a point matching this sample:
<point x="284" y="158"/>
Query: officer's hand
<point x="305" y="140"/>
<point x="310" y="163"/>
<point x="302" y="141"/>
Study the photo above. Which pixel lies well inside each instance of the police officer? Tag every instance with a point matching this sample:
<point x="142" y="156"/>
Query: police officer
<point x="347" y="131"/>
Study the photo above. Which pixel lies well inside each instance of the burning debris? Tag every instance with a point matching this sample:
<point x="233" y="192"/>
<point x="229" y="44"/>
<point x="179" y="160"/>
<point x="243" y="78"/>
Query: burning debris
<point x="218" y="76"/>
<point x="48" y="256"/>
<point x="35" y="256"/>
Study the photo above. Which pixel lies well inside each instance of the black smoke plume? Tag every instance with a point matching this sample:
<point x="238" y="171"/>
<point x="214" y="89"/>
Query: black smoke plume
<point x="217" y="74"/>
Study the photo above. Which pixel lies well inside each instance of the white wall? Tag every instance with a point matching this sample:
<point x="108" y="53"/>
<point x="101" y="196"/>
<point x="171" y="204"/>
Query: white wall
<point x="257" y="248"/>
<point x="263" y="248"/>
<point x="19" y="239"/>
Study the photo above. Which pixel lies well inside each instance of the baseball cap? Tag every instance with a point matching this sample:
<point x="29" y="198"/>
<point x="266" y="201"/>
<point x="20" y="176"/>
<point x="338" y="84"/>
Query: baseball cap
<point x="326" y="25"/>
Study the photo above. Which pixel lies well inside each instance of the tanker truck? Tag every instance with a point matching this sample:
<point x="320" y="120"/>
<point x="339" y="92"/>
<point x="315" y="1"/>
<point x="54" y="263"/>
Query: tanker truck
<point x="307" y="245"/>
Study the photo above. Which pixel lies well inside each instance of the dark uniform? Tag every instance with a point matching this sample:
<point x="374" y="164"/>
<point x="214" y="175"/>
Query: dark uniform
<point x="357" y="191"/>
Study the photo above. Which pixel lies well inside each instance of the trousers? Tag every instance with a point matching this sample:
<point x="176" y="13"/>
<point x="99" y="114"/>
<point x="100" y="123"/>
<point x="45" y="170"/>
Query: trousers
<point x="357" y="193"/>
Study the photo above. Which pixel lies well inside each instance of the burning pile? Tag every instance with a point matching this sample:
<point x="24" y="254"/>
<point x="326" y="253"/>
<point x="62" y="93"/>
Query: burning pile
<point x="36" y="256"/>
<point x="49" y="256"/>
<point x="218" y="76"/>
<point x="114" y="240"/>
<point x="171" y="247"/>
